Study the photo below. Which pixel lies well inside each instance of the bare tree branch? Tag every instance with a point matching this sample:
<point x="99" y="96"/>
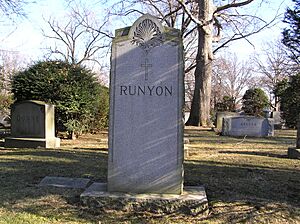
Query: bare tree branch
<point x="79" y="39"/>
<point x="234" y="4"/>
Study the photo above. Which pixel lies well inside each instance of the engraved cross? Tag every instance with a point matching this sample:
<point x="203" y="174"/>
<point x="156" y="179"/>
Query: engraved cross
<point x="146" y="65"/>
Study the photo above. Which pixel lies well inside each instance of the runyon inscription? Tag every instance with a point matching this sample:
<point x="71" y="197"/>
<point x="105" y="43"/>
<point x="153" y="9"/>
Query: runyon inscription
<point x="146" y="90"/>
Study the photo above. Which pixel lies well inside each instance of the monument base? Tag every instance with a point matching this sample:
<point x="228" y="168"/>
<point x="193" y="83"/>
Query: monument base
<point x="193" y="201"/>
<point x="294" y="153"/>
<point x="11" y="142"/>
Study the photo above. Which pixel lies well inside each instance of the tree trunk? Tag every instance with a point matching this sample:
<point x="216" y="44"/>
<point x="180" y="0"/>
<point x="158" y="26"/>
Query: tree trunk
<point x="200" y="108"/>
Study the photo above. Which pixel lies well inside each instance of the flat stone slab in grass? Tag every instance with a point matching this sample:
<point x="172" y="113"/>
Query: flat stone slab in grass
<point x="66" y="182"/>
<point x="193" y="201"/>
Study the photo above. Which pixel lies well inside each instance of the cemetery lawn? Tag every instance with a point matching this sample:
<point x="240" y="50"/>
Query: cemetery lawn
<point x="247" y="180"/>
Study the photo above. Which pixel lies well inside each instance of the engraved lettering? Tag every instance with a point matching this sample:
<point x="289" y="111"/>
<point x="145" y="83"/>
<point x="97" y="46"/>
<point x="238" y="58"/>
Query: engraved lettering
<point x="168" y="90"/>
<point x="142" y="90"/>
<point x="159" y="90"/>
<point x="150" y="89"/>
<point x="137" y="90"/>
<point x="123" y="89"/>
<point x="132" y="90"/>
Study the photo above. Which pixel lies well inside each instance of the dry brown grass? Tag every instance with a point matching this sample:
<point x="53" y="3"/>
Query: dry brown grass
<point x="248" y="180"/>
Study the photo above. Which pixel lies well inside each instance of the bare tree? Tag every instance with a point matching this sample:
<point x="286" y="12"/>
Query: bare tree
<point x="273" y="66"/>
<point x="10" y="63"/>
<point x="211" y="18"/>
<point x="12" y="7"/>
<point x="80" y="39"/>
<point x="203" y="22"/>
<point x="230" y="78"/>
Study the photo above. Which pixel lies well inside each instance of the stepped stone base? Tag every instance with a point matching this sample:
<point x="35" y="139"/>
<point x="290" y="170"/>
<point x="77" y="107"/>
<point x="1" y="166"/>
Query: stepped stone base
<point x="193" y="201"/>
<point x="11" y="142"/>
<point x="294" y="153"/>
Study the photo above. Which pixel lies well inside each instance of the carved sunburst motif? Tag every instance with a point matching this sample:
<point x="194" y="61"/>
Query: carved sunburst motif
<point x="147" y="35"/>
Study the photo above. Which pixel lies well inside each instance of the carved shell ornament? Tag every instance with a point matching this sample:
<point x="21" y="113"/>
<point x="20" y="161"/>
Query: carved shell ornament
<point x="147" y="35"/>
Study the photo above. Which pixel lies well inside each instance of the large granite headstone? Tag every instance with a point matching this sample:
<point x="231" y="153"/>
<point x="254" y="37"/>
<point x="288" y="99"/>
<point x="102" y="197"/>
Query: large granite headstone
<point x="248" y="125"/>
<point x="146" y="109"/>
<point x="32" y="125"/>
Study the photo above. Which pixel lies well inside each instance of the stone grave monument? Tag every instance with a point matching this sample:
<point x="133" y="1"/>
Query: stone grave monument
<point x="248" y="125"/>
<point x="32" y="126"/>
<point x="294" y="152"/>
<point x="219" y="119"/>
<point x="146" y="110"/>
<point x="145" y="160"/>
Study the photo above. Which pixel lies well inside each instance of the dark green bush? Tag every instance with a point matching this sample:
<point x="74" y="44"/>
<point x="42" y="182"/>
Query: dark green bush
<point x="227" y="104"/>
<point x="81" y="102"/>
<point x="255" y="101"/>
<point x="288" y="92"/>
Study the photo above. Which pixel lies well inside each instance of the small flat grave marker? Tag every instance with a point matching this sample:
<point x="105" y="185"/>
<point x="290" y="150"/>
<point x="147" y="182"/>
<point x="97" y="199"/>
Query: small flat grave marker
<point x="65" y="182"/>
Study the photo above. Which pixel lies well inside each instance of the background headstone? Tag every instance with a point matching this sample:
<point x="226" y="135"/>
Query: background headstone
<point x="146" y="109"/>
<point x="248" y="125"/>
<point x="219" y="119"/>
<point x="276" y="115"/>
<point x="32" y="125"/>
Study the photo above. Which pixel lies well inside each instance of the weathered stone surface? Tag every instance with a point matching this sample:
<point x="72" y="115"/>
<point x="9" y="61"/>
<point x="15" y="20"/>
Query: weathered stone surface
<point x="146" y="118"/>
<point x="193" y="201"/>
<point x="65" y="182"/>
<point x="32" y="125"/>
<point x="248" y="125"/>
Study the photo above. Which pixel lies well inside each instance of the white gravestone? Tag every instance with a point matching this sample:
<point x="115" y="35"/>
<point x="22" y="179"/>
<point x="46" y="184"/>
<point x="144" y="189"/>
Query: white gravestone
<point x="146" y="109"/>
<point x="248" y="125"/>
<point x="32" y="125"/>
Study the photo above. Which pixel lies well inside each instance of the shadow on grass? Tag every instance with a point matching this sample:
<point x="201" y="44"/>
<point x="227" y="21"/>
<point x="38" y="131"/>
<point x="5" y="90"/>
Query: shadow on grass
<point x="22" y="169"/>
<point x="256" y="153"/>
<point x="227" y="183"/>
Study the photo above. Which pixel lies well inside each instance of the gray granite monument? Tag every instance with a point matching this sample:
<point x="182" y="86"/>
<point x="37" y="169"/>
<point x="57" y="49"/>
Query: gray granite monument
<point x="146" y="109"/>
<point x="145" y="159"/>
<point x="32" y="125"/>
<point x="248" y="125"/>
